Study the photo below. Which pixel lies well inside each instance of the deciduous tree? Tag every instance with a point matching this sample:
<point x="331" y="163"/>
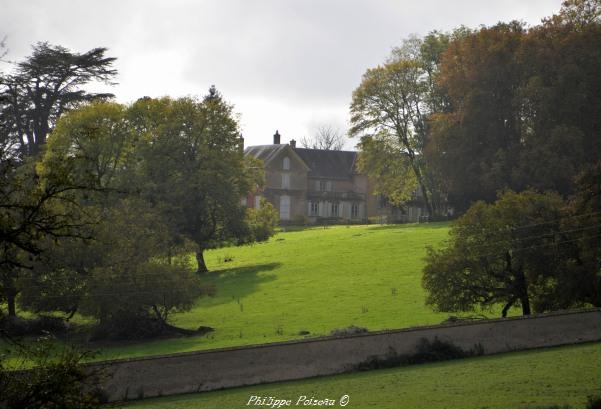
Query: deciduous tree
<point x="193" y="167"/>
<point x="326" y="137"/>
<point x="505" y="253"/>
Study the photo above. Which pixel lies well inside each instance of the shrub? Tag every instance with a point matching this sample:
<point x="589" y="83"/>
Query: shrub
<point x="300" y="220"/>
<point x="425" y="351"/>
<point x="17" y="326"/>
<point x="262" y="221"/>
<point x="57" y="380"/>
<point x="135" y="302"/>
<point x="352" y="330"/>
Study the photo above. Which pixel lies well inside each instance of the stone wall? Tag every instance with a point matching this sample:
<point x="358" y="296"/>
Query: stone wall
<point x="231" y="367"/>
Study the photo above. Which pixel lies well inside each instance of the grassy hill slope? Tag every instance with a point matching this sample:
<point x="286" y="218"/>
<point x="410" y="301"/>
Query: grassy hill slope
<point x="313" y="280"/>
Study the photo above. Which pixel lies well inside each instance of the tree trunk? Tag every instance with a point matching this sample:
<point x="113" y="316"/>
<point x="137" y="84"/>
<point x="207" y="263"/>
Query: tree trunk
<point x="523" y="291"/>
<point x="159" y="316"/>
<point x="422" y="185"/>
<point x="202" y="266"/>
<point x="428" y="201"/>
<point x="525" y="305"/>
<point x="507" y="307"/>
<point x="10" y="300"/>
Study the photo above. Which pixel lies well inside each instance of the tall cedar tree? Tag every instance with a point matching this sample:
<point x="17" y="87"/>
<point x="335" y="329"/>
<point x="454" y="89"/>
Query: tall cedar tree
<point x="43" y="86"/>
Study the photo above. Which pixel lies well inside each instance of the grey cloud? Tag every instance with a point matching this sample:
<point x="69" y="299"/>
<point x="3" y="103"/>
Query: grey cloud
<point x="296" y="53"/>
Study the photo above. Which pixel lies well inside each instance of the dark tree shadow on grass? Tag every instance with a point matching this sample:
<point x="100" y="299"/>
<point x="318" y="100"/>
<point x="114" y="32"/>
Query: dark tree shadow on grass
<point x="233" y="284"/>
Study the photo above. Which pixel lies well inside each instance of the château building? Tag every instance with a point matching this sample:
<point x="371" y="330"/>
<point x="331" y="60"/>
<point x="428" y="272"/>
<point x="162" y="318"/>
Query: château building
<point x="317" y="185"/>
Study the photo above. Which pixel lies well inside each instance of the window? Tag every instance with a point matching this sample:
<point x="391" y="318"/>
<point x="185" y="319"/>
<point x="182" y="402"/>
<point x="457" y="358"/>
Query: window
<point x="323" y="185"/>
<point x="284" y="207"/>
<point x="354" y="211"/>
<point x="334" y="209"/>
<point x="257" y="202"/>
<point x="313" y="208"/>
<point x="329" y="186"/>
<point x="286" y="164"/>
<point x="285" y="181"/>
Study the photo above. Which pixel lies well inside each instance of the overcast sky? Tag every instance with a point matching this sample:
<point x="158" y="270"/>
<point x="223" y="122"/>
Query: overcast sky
<point x="289" y="65"/>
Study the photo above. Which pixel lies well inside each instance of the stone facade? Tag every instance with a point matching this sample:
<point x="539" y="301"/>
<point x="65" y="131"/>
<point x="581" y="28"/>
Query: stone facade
<point x="312" y="185"/>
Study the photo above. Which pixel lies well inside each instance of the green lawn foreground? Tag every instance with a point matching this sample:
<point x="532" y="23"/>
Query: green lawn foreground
<point x="316" y="280"/>
<point x="563" y="375"/>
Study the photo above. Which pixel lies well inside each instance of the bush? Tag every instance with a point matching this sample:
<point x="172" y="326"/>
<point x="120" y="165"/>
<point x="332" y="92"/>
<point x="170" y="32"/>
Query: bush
<point x="352" y="330"/>
<point x="300" y="220"/>
<point x="262" y="221"/>
<point x="425" y="351"/>
<point x="43" y="324"/>
<point x="135" y="302"/>
<point x="56" y="381"/>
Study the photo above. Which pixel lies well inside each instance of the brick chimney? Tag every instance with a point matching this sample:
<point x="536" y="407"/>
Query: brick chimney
<point x="276" y="138"/>
<point x="292" y="143"/>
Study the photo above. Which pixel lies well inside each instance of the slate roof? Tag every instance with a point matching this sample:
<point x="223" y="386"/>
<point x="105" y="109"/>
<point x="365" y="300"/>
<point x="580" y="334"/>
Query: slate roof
<point x="322" y="163"/>
<point x="328" y="164"/>
<point x="264" y="152"/>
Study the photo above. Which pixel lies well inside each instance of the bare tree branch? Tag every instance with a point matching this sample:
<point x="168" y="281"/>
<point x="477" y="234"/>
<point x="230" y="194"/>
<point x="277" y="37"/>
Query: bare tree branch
<point x="326" y="137"/>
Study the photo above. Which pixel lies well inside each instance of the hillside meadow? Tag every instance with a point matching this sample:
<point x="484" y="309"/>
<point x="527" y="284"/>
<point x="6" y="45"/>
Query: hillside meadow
<point x="529" y="379"/>
<point x="306" y="283"/>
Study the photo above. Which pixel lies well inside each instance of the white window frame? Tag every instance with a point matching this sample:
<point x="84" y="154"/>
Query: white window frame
<point x="355" y="211"/>
<point x="285" y="205"/>
<point x="286" y="163"/>
<point x="313" y="208"/>
<point x="335" y="209"/>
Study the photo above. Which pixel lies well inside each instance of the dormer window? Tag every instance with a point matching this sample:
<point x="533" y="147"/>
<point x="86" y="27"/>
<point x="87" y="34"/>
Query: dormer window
<point x="286" y="164"/>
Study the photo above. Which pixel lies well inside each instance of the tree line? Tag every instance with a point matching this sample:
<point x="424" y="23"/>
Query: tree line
<point x="468" y="113"/>
<point x="501" y="124"/>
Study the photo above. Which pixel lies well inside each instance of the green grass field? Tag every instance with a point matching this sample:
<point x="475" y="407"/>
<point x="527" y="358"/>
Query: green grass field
<point x="565" y="375"/>
<point x="312" y="280"/>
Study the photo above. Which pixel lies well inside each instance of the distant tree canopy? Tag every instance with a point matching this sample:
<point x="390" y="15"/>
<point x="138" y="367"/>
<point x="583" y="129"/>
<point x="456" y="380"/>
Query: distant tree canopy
<point x="524" y="107"/>
<point x="473" y="112"/>
<point x="390" y="111"/>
